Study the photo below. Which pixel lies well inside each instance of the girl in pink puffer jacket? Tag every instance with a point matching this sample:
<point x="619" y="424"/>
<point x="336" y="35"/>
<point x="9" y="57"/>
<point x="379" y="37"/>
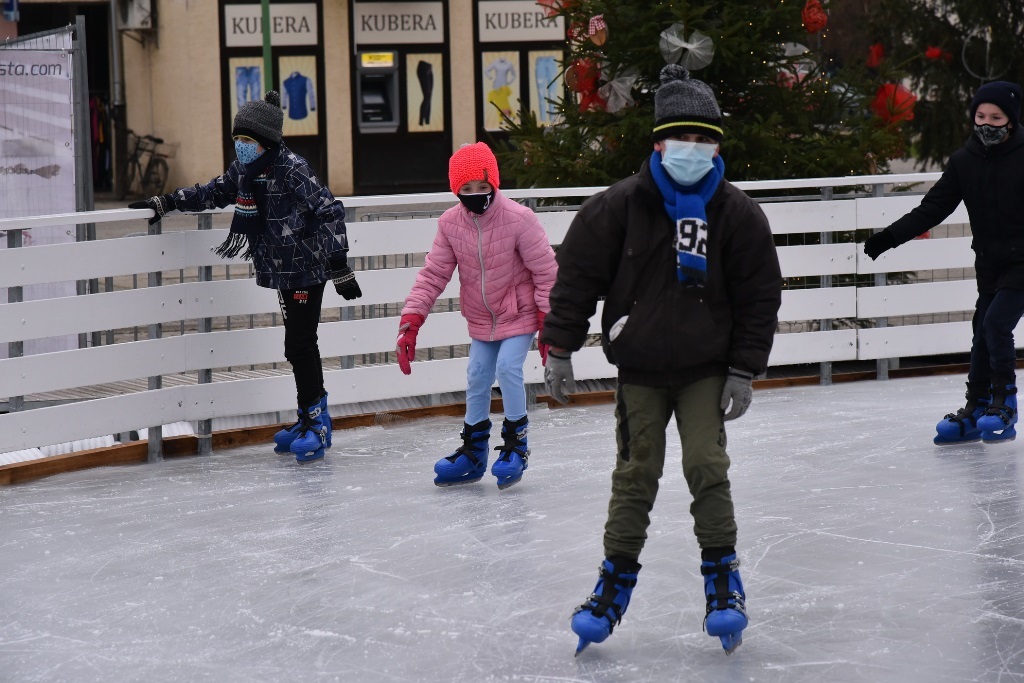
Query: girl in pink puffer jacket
<point x="506" y="270"/>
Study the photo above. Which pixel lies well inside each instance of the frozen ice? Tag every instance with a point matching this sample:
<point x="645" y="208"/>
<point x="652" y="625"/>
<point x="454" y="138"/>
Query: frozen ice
<point x="869" y="554"/>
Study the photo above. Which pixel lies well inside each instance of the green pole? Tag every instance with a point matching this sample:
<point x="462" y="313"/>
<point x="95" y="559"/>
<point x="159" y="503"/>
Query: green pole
<point x="268" y="63"/>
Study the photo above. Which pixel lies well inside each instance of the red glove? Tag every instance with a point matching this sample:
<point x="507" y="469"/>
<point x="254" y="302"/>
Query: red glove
<point x="408" y="328"/>
<point x="541" y="346"/>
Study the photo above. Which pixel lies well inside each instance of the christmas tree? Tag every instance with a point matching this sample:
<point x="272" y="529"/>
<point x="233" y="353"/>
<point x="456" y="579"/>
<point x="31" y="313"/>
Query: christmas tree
<point x="789" y="110"/>
<point x="945" y="50"/>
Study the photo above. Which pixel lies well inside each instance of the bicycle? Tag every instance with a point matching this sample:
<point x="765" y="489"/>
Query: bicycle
<point x="153" y="177"/>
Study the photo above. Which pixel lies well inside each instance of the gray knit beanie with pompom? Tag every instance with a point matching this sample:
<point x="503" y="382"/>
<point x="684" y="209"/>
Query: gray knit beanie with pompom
<point x="685" y="105"/>
<point x="262" y="120"/>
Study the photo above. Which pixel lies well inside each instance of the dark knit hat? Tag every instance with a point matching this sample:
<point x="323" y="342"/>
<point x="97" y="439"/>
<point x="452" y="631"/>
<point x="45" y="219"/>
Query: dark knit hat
<point x="1004" y="95"/>
<point x="685" y="105"/>
<point x="473" y="162"/>
<point x="262" y="120"/>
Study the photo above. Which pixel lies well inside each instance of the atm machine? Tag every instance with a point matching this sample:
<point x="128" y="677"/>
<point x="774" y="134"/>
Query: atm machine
<point x="377" y="99"/>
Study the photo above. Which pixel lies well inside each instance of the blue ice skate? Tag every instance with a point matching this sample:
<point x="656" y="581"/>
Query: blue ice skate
<point x="284" y="438"/>
<point x="595" y="619"/>
<point x="996" y="424"/>
<point x="726" y="615"/>
<point x="314" y="435"/>
<point x="513" y="456"/>
<point x="469" y="462"/>
<point x="962" y="426"/>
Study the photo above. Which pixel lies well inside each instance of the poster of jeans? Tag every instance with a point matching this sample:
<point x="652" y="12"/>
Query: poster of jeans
<point x="500" y="71"/>
<point x="245" y="74"/>
<point x="545" y="85"/>
<point x="297" y="84"/>
<point x="424" y="75"/>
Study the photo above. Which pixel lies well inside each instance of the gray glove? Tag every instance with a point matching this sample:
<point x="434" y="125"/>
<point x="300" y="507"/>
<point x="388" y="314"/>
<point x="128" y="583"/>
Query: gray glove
<point x="738" y="391"/>
<point x="557" y="372"/>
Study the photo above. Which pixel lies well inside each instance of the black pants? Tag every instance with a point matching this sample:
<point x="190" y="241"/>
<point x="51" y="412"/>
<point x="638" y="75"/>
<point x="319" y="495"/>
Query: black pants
<point x="993" y="356"/>
<point x="301" y="311"/>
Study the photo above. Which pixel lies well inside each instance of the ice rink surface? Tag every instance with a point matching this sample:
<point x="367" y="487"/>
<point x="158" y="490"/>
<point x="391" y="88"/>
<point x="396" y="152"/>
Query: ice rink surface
<point x="868" y="555"/>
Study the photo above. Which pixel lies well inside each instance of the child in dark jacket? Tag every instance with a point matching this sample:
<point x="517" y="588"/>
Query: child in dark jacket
<point x="987" y="174"/>
<point x="293" y="230"/>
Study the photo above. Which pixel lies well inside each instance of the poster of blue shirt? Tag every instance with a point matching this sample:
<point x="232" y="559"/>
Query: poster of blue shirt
<point x="297" y="76"/>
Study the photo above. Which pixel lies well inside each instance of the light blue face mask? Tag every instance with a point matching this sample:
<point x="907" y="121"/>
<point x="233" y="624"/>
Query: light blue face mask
<point x="687" y="162"/>
<point x="248" y="152"/>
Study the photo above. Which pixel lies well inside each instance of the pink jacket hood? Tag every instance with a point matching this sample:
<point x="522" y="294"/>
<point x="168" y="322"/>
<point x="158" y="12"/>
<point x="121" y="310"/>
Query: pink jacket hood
<point x="506" y="269"/>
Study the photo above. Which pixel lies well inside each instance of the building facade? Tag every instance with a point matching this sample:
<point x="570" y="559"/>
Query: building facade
<point x="377" y="95"/>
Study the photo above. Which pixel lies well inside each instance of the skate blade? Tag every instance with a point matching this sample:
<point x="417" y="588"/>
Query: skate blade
<point x="1008" y="434"/>
<point x="504" y="485"/>
<point x="581" y="646"/>
<point x="955" y="442"/>
<point x="460" y="482"/>
<point x="731" y="642"/>
<point x="318" y="454"/>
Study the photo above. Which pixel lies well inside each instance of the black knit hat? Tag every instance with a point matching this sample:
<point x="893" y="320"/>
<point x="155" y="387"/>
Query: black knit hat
<point x="262" y="120"/>
<point x="685" y="105"/>
<point x="1004" y="95"/>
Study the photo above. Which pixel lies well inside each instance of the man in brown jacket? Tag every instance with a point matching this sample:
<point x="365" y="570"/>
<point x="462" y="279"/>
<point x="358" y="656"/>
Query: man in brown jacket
<point x="692" y="287"/>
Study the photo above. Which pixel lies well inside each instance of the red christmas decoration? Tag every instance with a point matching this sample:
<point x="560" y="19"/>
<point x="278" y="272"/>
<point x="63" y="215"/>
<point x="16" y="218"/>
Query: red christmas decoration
<point x="814" y="16"/>
<point x="893" y="103"/>
<point x="553" y="7"/>
<point x="876" y="53"/>
<point x="582" y="75"/>
<point x="936" y="53"/>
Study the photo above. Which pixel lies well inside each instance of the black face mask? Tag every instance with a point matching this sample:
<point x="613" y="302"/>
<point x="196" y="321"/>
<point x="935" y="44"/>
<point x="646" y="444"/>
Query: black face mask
<point x="477" y="203"/>
<point x="991" y="135"/>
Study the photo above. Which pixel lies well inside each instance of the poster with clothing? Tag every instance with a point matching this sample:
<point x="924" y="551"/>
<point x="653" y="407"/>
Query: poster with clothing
<point x="424" y="92"/>
<point x="545" y="85"/>
<point x="245" y="76"/>
<point x="297" y="77"/>
<point x="500" y="88"/>
<point x="299" y="96"/>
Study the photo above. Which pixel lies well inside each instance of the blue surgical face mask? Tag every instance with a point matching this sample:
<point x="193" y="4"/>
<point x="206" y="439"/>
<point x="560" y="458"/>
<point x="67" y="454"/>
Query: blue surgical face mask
<point x="248" y="152"/>
<point x="687" y="162"/>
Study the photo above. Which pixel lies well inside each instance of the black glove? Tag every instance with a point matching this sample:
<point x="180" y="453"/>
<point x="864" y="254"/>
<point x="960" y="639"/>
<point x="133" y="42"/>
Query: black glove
<point x="558" y="376"/>
<point x="738" y="391"/>
<point x="879" y="243"/>
<point x="345" y="283"/>
<point x="161" y="205"/>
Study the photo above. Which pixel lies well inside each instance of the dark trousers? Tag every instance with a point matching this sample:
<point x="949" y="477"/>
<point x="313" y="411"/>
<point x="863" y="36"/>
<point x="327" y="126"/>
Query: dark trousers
<point x="301" y="311"/>
<point x="993" y="357"/>
<point x="642" y="414"/>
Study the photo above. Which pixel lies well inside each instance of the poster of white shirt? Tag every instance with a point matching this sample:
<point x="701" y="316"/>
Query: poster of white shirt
<point x="500" y="72"/>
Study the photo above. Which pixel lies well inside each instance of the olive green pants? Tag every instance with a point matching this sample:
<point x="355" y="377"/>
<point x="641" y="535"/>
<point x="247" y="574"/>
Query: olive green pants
<point x="642" y="415"/>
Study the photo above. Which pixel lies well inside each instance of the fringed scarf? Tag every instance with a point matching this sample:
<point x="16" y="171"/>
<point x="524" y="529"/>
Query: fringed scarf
<point x="247" y="224"/>
<point x="686" y="205"/>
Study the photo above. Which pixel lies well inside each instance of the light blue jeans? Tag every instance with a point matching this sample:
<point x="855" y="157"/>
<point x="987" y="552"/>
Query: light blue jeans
<point x="504" y="359"/>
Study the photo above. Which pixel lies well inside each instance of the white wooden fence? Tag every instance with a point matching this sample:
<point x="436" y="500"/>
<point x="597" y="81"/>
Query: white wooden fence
<point x="199" y="352"/>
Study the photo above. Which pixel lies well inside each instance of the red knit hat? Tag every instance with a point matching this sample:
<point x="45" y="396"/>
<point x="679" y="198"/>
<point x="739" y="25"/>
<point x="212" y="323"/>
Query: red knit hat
<point x="472" y="162"/>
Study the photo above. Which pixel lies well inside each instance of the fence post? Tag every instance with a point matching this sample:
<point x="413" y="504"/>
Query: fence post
<point x="155" y="434"/>
<point x="15" y="295"/>
<point x="882" y="364"/>
<point x="204" y="428"/>
<point x="825" y="324"/>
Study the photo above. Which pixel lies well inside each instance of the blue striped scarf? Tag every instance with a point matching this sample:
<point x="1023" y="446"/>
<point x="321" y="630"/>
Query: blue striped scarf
<point x="686" y="207"/>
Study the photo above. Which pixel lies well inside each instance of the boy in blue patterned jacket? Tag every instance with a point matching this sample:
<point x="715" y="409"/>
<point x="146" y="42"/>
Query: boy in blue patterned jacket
<point x="293" y="230"/>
